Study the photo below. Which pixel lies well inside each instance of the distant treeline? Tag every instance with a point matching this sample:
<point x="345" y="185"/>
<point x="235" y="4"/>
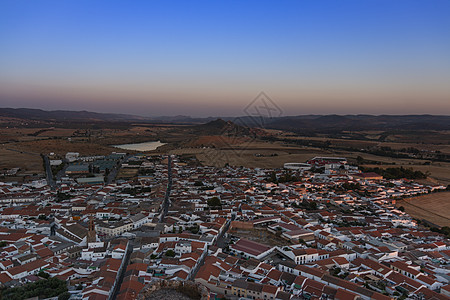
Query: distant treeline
<point x="301" y="142"/>
<point x="397" y="173"/>
<point x="410" y="152"/>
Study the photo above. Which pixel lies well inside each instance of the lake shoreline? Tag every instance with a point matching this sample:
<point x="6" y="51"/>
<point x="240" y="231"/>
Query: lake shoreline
<point x="146" y="146"/>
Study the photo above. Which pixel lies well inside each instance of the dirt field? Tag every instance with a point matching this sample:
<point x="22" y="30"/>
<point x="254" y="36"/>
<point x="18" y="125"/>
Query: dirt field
<point x="430" y="141"/>
<point x="127" y="173"/>
<point x="261" y="235"/>
<point x="434" y="207"/>
<point x="253" y="155"/>
<point x="61" y="147"/>
<point x="29" y="163"/>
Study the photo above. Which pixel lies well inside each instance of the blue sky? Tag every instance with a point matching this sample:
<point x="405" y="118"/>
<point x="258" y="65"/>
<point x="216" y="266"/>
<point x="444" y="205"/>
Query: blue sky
<point x="211" y="57"/>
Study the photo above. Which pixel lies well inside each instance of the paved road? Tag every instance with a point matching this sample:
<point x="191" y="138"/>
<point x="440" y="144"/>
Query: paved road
<point x="122" y="272"/>
<point x="25" y="152"/>
<point x="113" y="173"/>
<point x="48" y="173"/>
<point x="166" y="202"/>
<point x="62" y="172"/>
<point x="220" y="242"/>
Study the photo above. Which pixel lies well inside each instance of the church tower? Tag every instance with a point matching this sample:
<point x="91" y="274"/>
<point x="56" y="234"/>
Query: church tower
<point x="91" y="235"/>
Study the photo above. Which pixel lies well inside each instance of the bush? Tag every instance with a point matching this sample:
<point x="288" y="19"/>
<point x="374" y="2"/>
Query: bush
<point x="45" y="288"/>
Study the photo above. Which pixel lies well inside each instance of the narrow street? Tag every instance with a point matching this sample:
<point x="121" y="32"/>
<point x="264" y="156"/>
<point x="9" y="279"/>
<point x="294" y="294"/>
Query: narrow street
<point x="48" y="173"/>
<point x="166" y="203"/>
<point x="122" y="272"/>
<point x="220" y="242"/>
<point x="164" y="210"/>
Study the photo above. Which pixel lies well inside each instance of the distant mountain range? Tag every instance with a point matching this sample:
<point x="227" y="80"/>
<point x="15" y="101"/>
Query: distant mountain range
<point x="64" y="115"/>
<point x="331" y="123"/>
<point x="304" y="123"/>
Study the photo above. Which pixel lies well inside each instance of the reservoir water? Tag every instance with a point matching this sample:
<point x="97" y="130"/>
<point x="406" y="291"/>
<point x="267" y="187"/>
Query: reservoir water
<point x="147" y="146"/>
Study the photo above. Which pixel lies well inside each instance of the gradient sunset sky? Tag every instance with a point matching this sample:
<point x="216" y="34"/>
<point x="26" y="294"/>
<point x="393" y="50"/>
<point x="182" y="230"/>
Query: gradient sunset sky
<point x="211" y="58"/>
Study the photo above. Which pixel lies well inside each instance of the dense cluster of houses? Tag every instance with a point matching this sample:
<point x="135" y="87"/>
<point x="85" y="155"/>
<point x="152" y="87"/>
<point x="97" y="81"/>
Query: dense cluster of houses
<point x="241" y="232"/>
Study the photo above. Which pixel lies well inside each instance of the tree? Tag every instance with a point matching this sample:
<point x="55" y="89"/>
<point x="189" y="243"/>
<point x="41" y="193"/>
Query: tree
<point x="214" y="202"/>
<point x="43" y="274"/>
<point x="335" y="271"/>
<point x="170" y="253"/>
<point x="45" y="288"/>
<point x="64" y="296"/>
<point x="62" y="196"/>
<point x="278" y="231"/>
<point x="194" y="229"/>
<point x="273" y="177"/>
<point x="401" y="208"/>
<point x="42" y="217"/>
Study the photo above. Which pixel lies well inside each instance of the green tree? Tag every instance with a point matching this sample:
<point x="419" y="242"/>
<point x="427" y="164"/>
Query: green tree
<point x="43" y="274"/>
<point x="45" y="288"/>
<point x="194" y="229"/>
<point x="170" y="253"/>
<point x="198" y="183"/>
<point x="214" y="202"/>
<point x="359" y="160"/>
<point x="64" y="296"/>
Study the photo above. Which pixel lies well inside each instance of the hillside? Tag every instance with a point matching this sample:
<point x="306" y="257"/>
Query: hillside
<point x="336" y="123"/>
<point x="300" y="124"/>
<point x="64" y="115"/>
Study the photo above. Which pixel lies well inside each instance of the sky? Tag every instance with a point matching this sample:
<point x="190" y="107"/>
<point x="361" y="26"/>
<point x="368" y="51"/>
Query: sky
<point x="212" y="58"/>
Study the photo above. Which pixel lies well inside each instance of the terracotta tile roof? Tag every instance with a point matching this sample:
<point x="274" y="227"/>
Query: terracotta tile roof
<point x="250" y="247"/>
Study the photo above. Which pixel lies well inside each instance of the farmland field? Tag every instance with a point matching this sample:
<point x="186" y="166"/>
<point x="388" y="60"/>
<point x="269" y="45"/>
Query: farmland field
<point x="28" y="162"/>
<point x="215" y="150"/>
<point x="433" y="207"/>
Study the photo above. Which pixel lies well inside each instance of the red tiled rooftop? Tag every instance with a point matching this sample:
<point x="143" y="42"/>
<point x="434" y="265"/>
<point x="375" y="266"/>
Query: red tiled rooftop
<point x="250" y="247"/>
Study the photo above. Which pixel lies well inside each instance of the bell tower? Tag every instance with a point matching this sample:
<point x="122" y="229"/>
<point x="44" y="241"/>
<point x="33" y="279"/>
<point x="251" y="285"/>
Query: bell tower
<point x="91" y="235"/>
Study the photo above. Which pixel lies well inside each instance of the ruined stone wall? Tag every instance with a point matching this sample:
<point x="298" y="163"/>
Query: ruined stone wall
<point x="173" y="285"/>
